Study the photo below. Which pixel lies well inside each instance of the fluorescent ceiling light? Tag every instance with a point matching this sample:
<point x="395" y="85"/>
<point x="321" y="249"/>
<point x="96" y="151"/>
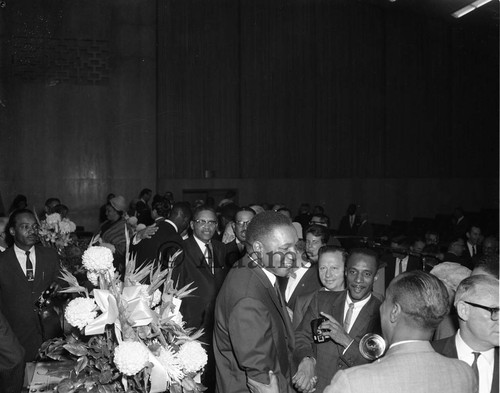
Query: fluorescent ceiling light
<point x="469" y="8"/>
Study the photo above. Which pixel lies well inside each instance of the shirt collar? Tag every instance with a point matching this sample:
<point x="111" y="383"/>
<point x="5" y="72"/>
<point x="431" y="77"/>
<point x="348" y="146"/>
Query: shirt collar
<point x="21" y="251"/>
<point x="171" y="223"/>
<point x="359" y="304"/>
<point x="201" y="244"/>
<point x="463" y="348"/>
<point x="269" y="275"/>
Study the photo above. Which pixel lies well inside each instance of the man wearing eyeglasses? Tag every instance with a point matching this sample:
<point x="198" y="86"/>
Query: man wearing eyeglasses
<point x="236" y="249"/>
<point x="476" y="342"/>
<point x="203" y="265"/>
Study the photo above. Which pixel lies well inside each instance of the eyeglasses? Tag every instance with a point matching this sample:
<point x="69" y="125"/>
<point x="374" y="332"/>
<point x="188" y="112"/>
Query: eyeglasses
<point x="242" y="223"/>
<point x="210" y="223"/>
<point x="493" y="310"/>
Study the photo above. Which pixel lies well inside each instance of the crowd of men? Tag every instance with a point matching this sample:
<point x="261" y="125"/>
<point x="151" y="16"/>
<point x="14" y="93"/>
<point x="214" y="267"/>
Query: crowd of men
<point x="284" y="305"/>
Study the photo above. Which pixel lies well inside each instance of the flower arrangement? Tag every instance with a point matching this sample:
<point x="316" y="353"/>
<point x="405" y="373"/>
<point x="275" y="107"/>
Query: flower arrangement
<point x="127" y="336"/>
<point x="56" y="231"/>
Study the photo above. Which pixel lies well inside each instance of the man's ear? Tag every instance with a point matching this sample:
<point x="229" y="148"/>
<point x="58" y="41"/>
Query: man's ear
<point x="12" y="231"/>
<point x="395" y="312"/>
<point x="233" y="225"/>
<point x="463" y="310"/>
<point x="191" y="224"/>
<point x="376" y="277"/>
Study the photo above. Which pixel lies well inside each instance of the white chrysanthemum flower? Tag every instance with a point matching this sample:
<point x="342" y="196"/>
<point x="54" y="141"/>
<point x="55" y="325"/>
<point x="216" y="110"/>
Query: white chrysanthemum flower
<point x="98" y="259"/>
<point x="93" y="277"/>
<point x="80" y="312"/>
<point x="67" y="226"/>
<point x="131" y="357"/>
<point x="172" y="365"/>
<point x="156" y="298"/>
<point x="53" y="219"/>
<point x="192" y="356"/>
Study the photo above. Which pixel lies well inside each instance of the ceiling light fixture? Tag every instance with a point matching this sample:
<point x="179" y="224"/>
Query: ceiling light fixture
<point x="469" y="8"/>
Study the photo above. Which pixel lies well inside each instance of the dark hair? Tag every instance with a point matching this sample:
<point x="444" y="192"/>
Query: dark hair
<point x="363" y="251"/>
<point x="489" y="264"/>
<point x="12" y="223"/>
<point x="322" y="217"/>
<point x="50" y="201"/>
<point x="332" y="249"/>
<point x="245" y="209"/>
<point x="421" y="296"/>
<point x="318" y="231"/>
<point x="145" y="191"/>
<point x="202" y="208"/>
<point x="17" y="200"/>
<point x="61" y="209"/>
<point x="263" y="224"/>
<point x="162" y="207"/>
<point x="473" y="225"/>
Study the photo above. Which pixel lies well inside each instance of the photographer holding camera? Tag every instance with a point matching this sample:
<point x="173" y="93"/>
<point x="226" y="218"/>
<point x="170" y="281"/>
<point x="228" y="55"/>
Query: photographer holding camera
<point x="332" y="343"/>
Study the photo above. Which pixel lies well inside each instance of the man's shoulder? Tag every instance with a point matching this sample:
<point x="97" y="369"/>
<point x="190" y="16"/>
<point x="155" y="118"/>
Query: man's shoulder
<point x="445" y="346"/>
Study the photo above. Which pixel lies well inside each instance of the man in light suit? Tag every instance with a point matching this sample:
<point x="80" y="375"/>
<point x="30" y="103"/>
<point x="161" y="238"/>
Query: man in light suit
<point x="203" y="264"/>
<point x="416" y="303"/>
<point x="476" y="302"/>
<point x="23" y="278"/>
<point x="253" y="333"/>
<point x="350" y="315"/>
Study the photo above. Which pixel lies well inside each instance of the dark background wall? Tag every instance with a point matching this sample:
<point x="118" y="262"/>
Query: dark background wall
<point x="327" y="102"/>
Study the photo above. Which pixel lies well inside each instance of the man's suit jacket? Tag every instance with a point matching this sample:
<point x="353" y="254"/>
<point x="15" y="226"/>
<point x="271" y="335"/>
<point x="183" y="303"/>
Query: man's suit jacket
<point x="308" y="283"/>
<point x="345" y="228"/>
<point x="414" y="263"/>
<point x="407" y="368"/>
<point x="233" y="253"/>
<point x="18" y="296"/>
<point x="11" y="359"/>
<point x="164" y="243"/>
<point x="447" y="347"/>
<point x="191" y="267"/>
<point x="252" y="333"/>
<point x="329" y="355"/>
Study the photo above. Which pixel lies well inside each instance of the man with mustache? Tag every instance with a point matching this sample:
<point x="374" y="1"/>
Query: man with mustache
<point x="350" y="314"/>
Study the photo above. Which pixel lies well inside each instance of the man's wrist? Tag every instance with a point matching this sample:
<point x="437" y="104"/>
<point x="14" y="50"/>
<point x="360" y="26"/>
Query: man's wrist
<point x="311" y="359"/>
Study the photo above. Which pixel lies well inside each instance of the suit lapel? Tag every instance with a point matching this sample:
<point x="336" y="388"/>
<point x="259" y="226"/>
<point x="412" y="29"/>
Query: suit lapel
<point x="364" y="318"/>
<point x="16" y="266"/>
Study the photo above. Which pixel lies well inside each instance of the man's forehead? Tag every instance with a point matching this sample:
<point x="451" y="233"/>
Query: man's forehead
<point x="244" y="214"/>
<point x="205" y="214"/>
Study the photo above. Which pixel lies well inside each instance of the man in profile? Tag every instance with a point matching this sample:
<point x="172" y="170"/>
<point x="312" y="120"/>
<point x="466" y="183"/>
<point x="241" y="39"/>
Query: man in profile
<point x="253" y="333"/>
<point x="476" y="342"/>
<point x="416" y="302"/>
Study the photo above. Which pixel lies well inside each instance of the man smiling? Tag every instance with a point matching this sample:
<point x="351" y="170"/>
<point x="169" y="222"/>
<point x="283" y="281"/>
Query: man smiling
<point x="350" y="314"/>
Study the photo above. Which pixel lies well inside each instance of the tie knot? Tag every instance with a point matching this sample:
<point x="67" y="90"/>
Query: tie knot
<point x="476" y="355"/>
<point x="27" y="253"/>
<point x="351" y="306"/>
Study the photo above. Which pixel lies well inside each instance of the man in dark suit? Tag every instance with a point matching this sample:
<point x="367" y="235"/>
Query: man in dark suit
<point x="476" y="342"/>
<point x="350" y="314"/>
<point x="26" y="270"/>
<point x="11" y="359"/>
<point x="455" y="253"/>
<point x="349" y="226"/>
<point x="166" y="240"/>
<point x="253" y="334"/>
<point x="399" y="260"/>
<point x="416" y="303"/>
<point x="236" y="249"/>
<point x="472" y="237"/>
<point x="142" y="208"/>
<point x="203" y="264"/>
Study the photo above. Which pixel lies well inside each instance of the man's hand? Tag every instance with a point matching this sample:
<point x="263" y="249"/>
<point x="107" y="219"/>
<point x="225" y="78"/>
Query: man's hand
<point x="146" y="233"/>
<point x="258" y="387"/>
<point x="305" y="378"/>
<point x="333" y="329"/>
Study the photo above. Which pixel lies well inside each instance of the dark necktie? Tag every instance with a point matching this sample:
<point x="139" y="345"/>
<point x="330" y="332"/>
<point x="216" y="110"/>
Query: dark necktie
<point x="278" y="294"/>
<point x="29" y="268"/>
<point x="209" y="257"/>
<point x="474" y="365"/>
<point x="348" y="317"/>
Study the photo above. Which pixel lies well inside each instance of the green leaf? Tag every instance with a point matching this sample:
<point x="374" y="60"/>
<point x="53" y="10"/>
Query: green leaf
<point x="76" y="349"/>
<point x="106" y="377"/>
<point x="65" y="386"/>
<point x="81" y="363"/>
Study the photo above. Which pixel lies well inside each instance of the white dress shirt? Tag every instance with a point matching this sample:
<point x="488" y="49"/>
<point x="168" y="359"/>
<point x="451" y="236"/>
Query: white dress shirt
<point x="485" y="362"/>
<point x="404" y="265"/>
<point x="21" y="257"/>
<point x="355" y="312"/>
<point x="293" y="281"/>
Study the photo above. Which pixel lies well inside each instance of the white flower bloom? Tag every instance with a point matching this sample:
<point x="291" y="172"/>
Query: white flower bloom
<point x="192" y="356"/>
<point x="80" y="312"/>
<point x="131" y="357"/>
<point x="93" y="277"/>
<point x="67" y="226"/>
<point x="98" y="259"/>
<point x="177" y="319"/>
<point x="53" y="219"/>
<point x="156" y="298"/>
<point x="172" y="365"/>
